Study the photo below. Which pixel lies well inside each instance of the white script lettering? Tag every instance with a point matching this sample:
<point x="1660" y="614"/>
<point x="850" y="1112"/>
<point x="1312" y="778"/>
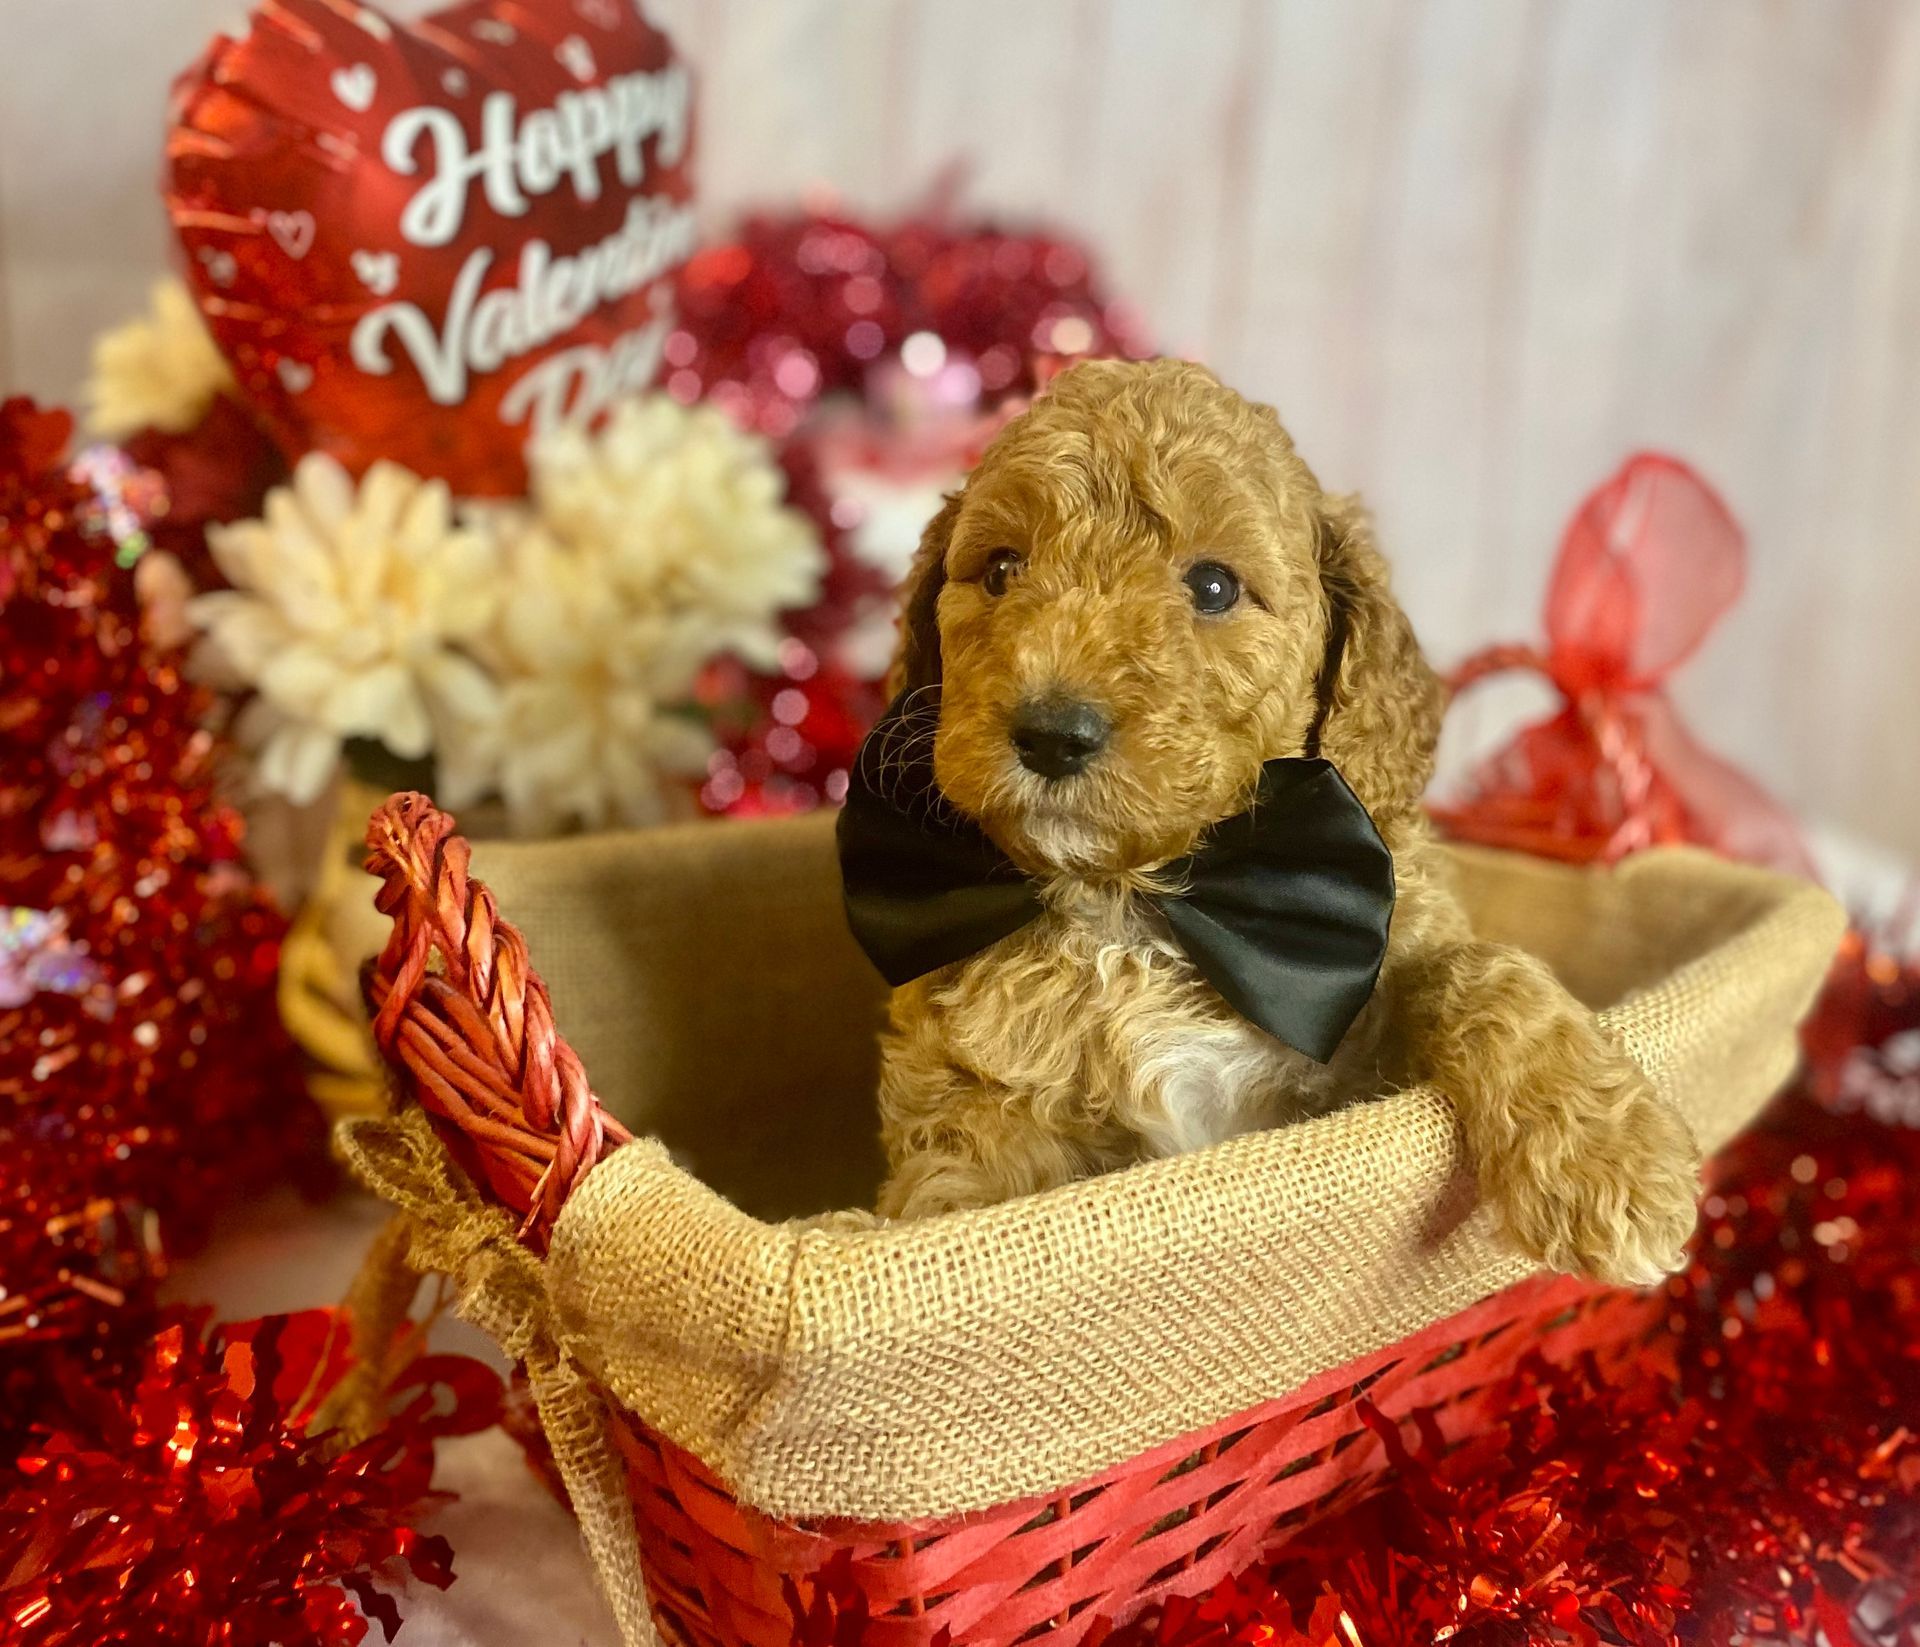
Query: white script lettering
<point x="519" y="160"/>
<point x="577" y="385"/>
<point x="550" y="296"/>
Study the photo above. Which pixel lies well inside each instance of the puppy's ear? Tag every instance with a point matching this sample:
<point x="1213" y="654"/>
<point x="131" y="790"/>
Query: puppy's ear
<point x="917" y="661"/>
<point x="1380" y="700"/>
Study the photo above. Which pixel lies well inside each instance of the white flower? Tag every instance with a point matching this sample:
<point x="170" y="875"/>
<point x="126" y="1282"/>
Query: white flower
<point x="348" y="616"/>
<point x="160" y="372"/>
<point x="651" y="548"/>
<point x="593" y="716"/>
<point x="687" y="512"/>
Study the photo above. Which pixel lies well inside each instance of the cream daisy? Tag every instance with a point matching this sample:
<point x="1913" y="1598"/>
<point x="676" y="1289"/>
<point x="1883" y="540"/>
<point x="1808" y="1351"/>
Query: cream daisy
<point x="159" y="372"/>
<point x="594" y="726"/>
<point x="350" y="616"/>
<point x="687" y="512"/>
<point x="651" y="548"/>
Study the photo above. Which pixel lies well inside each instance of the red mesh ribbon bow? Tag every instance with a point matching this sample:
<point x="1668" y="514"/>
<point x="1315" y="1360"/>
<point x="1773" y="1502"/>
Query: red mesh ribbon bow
<point x="1648" y="565"/>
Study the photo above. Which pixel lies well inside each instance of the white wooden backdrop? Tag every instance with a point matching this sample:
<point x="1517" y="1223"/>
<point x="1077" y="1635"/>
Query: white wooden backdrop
<point x="1475" y="250"/>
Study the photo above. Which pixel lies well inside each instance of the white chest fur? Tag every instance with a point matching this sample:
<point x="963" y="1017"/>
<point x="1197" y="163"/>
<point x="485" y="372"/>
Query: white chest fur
<point x="1095" y="1018"/>
<point x="1200" y="1082"/>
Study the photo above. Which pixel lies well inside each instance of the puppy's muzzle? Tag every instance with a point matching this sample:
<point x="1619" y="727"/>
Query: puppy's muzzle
<point x="1057" y="736"/>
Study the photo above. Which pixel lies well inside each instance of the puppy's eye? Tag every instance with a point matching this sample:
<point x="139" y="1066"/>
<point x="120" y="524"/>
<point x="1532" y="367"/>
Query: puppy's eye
<point x="1002" y="567"/>
<point x="1213" y="587"/>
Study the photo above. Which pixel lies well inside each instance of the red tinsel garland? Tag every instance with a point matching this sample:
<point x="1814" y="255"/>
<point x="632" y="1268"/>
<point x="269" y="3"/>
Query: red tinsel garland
<point x="1752" y="1477"/>
<point x="128" y="1099"/>
<point x="176" y="1498"/>
<point x="157" y="1484"/>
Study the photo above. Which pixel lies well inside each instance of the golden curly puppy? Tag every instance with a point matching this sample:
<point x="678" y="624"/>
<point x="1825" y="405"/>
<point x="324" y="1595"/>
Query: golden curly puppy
<point x="1140" y="596"/>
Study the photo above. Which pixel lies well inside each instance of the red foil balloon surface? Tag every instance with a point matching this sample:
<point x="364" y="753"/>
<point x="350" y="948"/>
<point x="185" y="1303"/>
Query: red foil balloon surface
<point x="429" y="241"/>
<point x="1651" y="561"/>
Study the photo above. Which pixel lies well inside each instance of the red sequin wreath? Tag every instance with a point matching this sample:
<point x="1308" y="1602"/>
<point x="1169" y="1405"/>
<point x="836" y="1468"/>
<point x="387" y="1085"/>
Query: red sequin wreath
<point x="806" y="304"/>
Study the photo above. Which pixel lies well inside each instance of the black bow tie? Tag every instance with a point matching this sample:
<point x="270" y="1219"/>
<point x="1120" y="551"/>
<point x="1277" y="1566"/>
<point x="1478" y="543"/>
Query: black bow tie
<point x="1284" y="907"/>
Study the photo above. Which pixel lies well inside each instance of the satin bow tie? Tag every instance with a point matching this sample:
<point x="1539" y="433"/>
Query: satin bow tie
<point x="1283" y="908"/>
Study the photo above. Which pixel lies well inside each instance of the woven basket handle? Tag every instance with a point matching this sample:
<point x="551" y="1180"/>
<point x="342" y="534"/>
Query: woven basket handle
<point x="467" y="1028"/>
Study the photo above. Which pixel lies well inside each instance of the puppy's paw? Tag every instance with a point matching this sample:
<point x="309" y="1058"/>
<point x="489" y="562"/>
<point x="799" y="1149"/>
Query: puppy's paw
<point x="1605" y="1182"/>
<point x="926" y="1185"/>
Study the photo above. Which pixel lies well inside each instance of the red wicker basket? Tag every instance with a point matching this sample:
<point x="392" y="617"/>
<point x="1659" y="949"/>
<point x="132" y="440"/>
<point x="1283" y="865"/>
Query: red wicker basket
<point x="468" y="1029"/>
<point x="1173" y="1521"/>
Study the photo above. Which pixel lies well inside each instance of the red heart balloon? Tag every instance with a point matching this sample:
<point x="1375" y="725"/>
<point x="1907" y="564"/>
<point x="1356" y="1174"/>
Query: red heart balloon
<point x="429" y="241"/>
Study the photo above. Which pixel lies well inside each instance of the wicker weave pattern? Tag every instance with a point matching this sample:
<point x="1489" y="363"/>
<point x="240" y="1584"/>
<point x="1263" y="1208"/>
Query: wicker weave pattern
<point x="474" y="1044"/>
<point x="1174" y="1521"/>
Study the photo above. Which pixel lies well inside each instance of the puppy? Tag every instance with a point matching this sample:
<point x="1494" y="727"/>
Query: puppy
<point x="1139" y="597"/>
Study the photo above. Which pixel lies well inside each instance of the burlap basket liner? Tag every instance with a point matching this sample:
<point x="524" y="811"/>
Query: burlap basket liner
<point x="826" y="1367"/>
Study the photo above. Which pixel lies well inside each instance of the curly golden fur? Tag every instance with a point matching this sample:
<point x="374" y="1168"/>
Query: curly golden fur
<point x="1086" y="1041"/>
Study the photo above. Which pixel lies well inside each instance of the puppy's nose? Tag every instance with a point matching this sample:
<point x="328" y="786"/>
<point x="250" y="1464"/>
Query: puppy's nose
<point x="1056" y="737"/>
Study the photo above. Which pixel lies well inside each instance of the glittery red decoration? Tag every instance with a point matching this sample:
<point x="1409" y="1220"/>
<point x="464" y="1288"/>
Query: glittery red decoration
<point x="800" y="306"/>
<point x="787" y="741"/>
<point x="129" y="1107"/>
<point x="420" y="241"/>
<point x="1752" y="1478"/>
<point x="156" y="1483"/>
<point x="1650" y="562"/>
<point x="848" y="581"/>
<point x="218" y="471"/>
<point x="181" y="1500"/>
<point x="32" y="439"/>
